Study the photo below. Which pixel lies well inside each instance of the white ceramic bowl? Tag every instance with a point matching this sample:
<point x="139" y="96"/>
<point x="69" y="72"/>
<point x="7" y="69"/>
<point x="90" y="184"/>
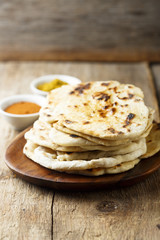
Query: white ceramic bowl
<point x="20" y="121"/>
<point x="68" y="79"/>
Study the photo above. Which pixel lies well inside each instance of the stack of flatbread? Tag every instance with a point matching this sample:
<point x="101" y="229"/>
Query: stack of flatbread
<point x="93" y="129"/>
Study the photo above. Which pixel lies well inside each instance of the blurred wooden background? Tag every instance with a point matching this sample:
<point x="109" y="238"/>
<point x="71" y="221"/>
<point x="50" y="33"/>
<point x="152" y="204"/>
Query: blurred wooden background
<point x="101" y="30"/>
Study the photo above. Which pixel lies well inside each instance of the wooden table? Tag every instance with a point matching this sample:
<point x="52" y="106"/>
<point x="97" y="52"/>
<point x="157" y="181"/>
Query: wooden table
<point x="32" y="212"/>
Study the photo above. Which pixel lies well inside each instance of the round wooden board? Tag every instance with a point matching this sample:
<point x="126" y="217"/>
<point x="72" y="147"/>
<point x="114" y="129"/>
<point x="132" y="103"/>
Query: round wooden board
<point x="36" y="174"/>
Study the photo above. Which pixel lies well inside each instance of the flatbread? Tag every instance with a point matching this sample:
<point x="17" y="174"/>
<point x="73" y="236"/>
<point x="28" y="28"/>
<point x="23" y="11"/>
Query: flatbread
<point x="89" y="155"/>
<point x="107" y="110"/>
<point x="123" y="167"/>
<point x="43" y="140"/>
<point x="153" y="141"/>
<point x="42" y="134"/>
<point x="108" y="143"/>
<point x="62" y="129"/>
<point x="49" y="159"/>
<point x="96" y="140"/>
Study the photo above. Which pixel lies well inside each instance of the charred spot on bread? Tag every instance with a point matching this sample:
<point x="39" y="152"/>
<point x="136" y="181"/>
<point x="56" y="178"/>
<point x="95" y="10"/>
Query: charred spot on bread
<point x="112" y="130"/>
<point x="72" y="92"/>
<point x="130" y="116"/>
<point x="119" y="165"/>
<point x="113" y="110"/>
<point x="87" y="122"/>
<point x="128" y="119"/>
<point x="105" y="107"/>
<point x="130" y="96"/>
<point x="101" y="96"/>
<point x="120" y="132"/>
<point x="115" y="103"/>
<point x="80" y="89"/>
<point x="85" y="104"/>
<point x="74" y="136"/>
<point x="115" y="89"/>
<point x="102" y="114"/>
<point x="105" y="84"/>
<point x="104" y="97"/>
<point x="68" y="121"/>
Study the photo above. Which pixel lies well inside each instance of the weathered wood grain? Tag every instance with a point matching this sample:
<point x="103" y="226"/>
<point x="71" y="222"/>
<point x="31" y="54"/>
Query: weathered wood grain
<point x="96" y="30"/>
<point x="129" y="213"/>
<point x="156" y="74"/>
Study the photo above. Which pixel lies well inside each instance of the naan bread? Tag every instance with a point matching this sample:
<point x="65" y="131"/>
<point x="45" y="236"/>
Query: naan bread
<point x="153" y="141"/>
<point x="49" y="159"/>
<point x="107" y="110"/>
<point x="96" y="140"/>
<point x="42" y="134"/>
<point x="89" y="155"/>
<point x="108" y="143"/>
<point x="66" y="140"/>
<point x="43" y="140"/>
<point x="120" y="168"/>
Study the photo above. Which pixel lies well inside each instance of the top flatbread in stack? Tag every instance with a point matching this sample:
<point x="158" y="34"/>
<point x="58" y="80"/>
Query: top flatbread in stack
<point x="93" y="128"/>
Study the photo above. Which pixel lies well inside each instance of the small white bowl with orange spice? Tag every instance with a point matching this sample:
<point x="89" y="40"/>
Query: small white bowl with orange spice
<point x="21" y="110"/>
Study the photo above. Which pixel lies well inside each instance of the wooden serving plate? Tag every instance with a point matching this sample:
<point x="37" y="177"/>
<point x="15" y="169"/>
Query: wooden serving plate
<point x="36" y="174"/>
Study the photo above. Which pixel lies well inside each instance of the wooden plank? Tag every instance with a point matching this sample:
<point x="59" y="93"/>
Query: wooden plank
<point x="156" y="74"/>
<point x="96" y="30"/>
<point x="29" y="212"/>
<point x="25" y="210"/>
<point x="130" y="213"/>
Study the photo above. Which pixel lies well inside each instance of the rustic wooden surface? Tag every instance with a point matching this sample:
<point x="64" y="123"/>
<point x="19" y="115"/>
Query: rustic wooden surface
<point x="117" y="30"/>
<point x="30" y="212"/>
<point x="156" y="74"/>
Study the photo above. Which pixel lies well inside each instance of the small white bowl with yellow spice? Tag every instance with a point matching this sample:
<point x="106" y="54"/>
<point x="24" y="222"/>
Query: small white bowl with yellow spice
<point x="44" y="84"/>
<point x="21" y="110"/>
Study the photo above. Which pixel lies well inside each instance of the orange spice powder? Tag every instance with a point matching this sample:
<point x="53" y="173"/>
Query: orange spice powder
<point x="23" y="108"/>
